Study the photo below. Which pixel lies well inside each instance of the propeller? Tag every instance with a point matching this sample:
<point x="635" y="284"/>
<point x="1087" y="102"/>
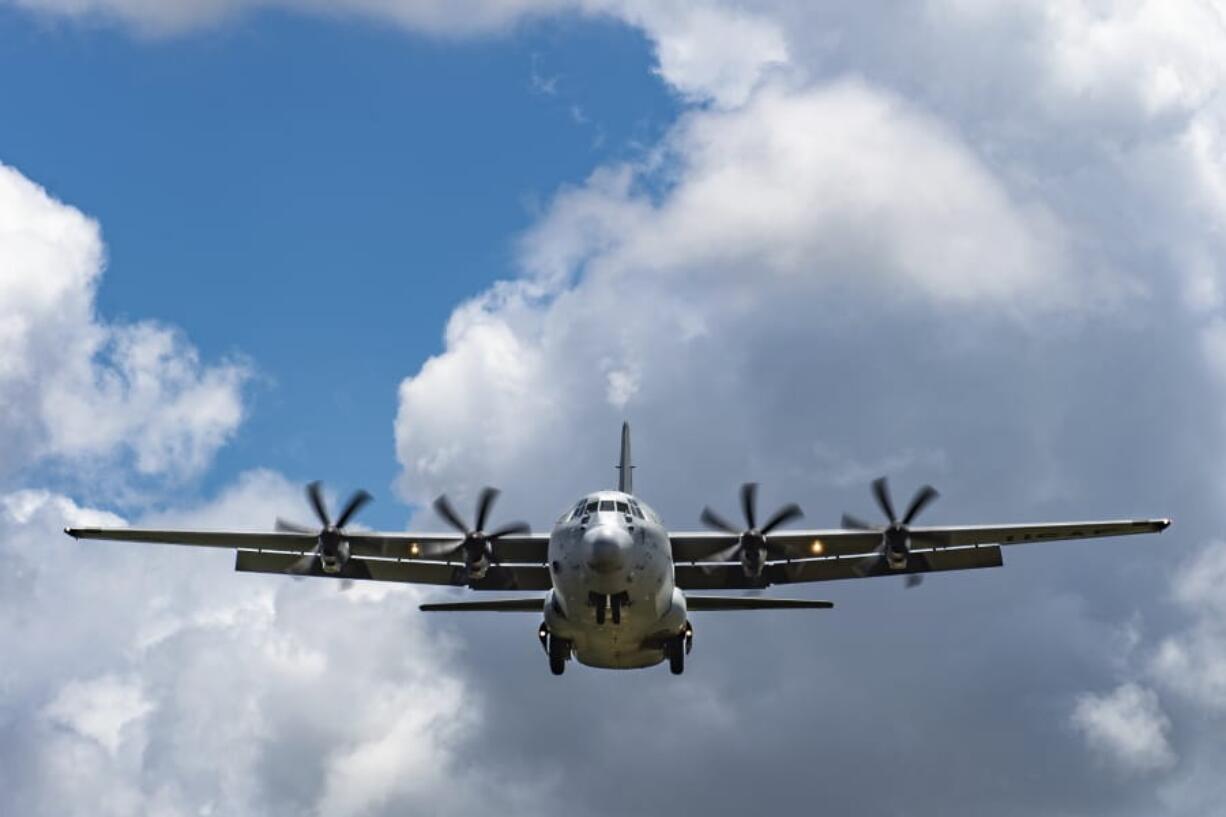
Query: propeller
<point x="332" y="545"/>
<point x="752" y="544"/>
<point x="895" y="548"/>
<point x="477" y="546"/>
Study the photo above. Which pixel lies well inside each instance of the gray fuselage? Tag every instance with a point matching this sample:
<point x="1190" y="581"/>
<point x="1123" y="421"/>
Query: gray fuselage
<point x="611" y="551"/>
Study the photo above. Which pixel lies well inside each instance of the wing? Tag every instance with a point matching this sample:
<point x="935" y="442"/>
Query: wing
<point x="521" y="549"/>
<point x="389" y="557"/>
<point x="530" y="605"/>
<point x="838" y="554"/>
<point x="807" y="544"/>
<point x="699" y="604"/>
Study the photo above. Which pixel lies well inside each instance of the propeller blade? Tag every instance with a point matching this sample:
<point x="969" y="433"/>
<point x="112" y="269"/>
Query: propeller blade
<point x="785" y="514"/>
<point x="869" y="564"/>
<point x="923" y="497"/>
<point x="439" y="548"/>
<point x="293" y="527"/>
<point x="510" y="529"/>
<point x="726" y="555"/>
<point x="484" y="503"/>
<point x="856" y="523"/>
<point x="303" y="566"/>
<point x="881" y="490"/>
<point x="713" y="520"/>
<point x="443" y="507"/>
<point x="315" y="495"/>
<point x="749" y="503"/>
<point x="356" y="501"/>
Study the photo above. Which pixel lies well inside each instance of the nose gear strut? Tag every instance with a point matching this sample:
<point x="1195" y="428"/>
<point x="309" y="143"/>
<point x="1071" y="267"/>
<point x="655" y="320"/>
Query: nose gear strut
<point x="608" y="604"/>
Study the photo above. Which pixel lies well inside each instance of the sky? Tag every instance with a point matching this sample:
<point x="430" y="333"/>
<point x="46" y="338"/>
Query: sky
<point x="417" y="247"/>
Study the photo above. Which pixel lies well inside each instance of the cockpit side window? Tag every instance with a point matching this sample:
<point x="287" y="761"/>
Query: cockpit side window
<point x="578" y="511"/>
<point x="636" y="510"/>
<point x="591" y="507"/>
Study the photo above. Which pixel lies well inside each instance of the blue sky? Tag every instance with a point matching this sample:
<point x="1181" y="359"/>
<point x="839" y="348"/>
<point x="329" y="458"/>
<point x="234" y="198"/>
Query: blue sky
<point x="422" y="247"/>
<point x="315" y="196"/>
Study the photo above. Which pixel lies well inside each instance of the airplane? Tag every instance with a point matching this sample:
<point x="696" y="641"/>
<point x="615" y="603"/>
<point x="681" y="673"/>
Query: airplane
<point x="619" y="587"/>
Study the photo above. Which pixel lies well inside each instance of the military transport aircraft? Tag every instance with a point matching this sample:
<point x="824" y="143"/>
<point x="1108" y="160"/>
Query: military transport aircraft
<point x="618" y="584"/>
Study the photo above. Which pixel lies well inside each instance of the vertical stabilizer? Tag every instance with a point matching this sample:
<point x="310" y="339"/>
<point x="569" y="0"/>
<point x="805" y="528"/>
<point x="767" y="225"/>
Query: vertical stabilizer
<point x="625" y="477"/>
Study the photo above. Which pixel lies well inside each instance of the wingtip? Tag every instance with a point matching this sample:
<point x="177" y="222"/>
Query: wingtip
<point x="1163" y="524"/>
<point x="71" y="532"/>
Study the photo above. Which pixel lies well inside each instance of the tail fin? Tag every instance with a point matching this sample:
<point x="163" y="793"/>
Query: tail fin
<point x="625" y="478"/>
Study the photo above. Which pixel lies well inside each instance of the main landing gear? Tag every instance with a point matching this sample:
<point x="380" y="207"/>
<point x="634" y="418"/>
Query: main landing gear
<point x="558" y="649"/>
<point x="677" y="648"/>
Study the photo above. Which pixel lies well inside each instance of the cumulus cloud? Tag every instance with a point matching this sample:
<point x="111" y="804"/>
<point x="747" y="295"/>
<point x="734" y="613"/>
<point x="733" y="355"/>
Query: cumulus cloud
<point x="928" y="236"/>
<point x="1193" y="661"/>
<point x="947" y="229"/>
<point x="101" y="709"/>
<point x="1127" y="726"/>
<point x="660" y="284"/>
<point x="203" y="691"/>
<point x="76" y="388"/>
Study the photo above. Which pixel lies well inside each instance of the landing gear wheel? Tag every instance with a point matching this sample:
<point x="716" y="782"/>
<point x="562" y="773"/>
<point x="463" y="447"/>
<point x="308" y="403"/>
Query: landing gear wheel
<point x="559" y="651"/>
<point x="676" y="655"/>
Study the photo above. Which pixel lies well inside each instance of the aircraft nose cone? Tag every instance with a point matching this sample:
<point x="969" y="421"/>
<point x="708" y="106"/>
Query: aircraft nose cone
<point x="606" y="548"/>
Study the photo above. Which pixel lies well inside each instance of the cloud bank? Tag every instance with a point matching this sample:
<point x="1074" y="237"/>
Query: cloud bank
<point x="75" y="388"/>
<point x="987" y="236"/>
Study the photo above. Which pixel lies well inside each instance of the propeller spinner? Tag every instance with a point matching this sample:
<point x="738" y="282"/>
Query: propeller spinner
<point x="477" y="546"/>
<point x="753" y="544"/>
<point x="894" y="551"/>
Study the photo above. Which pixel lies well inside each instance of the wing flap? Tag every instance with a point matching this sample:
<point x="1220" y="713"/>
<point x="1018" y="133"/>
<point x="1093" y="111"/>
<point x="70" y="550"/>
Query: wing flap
<point x="732" y="576"/>
<point x="528" y="548"/>
<point x="406" y="572"/>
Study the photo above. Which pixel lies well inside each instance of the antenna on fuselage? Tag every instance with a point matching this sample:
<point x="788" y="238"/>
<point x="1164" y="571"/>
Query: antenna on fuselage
<point x="625" y="475"/>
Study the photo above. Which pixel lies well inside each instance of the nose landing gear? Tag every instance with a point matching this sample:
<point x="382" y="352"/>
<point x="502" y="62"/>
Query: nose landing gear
<point x="608" y="604"/>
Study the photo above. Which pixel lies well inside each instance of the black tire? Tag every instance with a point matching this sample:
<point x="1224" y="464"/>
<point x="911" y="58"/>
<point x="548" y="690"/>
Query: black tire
<point x="559" y="651"/>
<point x="676" y="655"/>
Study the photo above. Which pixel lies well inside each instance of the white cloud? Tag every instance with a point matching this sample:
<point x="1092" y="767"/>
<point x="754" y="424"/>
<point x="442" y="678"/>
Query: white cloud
<point x="1193" y="661"/>
<point x="812" y="266"/>
<point x="102" y="709"/>
<point x="1128" y="727"/>
<point x="205" y="691"/>
<point x="75" y="388"/>
<point x="656" y="285"/>
<point x="710" y="51"/>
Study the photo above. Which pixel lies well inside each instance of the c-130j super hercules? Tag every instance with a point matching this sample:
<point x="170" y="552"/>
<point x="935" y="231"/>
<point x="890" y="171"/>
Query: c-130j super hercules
<point x="618" y="587"/>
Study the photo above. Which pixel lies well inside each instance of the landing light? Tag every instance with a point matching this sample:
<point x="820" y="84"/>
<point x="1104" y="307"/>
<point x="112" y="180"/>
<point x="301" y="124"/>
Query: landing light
<point x="414" y="550"/>
<point x="817" y="548"/>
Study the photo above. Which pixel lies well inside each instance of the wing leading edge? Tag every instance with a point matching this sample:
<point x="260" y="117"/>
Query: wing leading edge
<point x="520" y="549"/>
